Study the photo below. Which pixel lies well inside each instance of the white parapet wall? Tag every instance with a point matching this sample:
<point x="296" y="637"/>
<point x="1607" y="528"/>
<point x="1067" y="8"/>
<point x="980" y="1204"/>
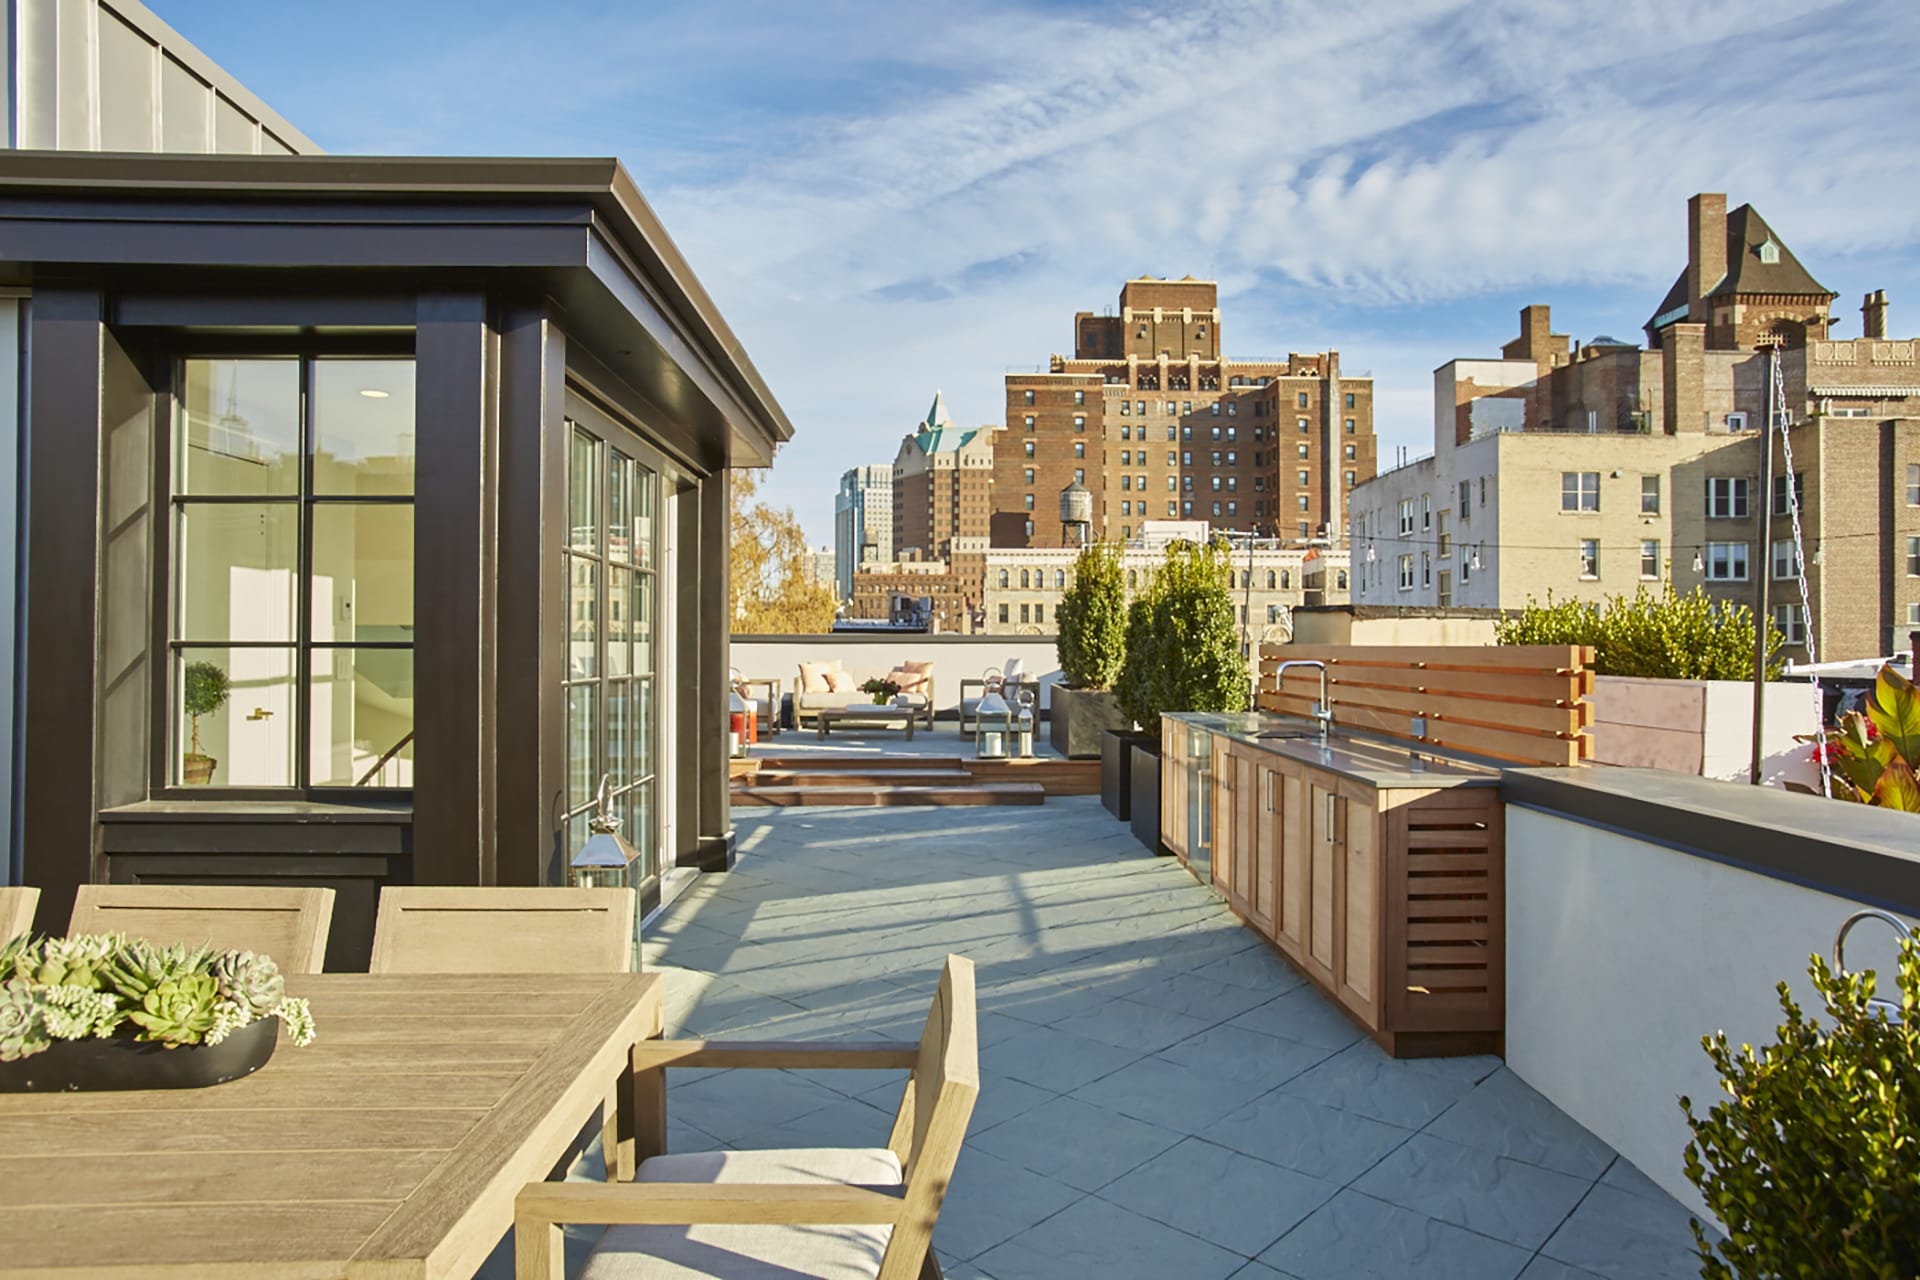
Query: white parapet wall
<point x="1646" y="909"/>
<point x="1705" y="727"/>
<point x="955" y="657"/>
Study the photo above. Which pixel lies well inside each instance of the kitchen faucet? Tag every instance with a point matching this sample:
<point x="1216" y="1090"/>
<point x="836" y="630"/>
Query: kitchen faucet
<point x="1321" y="710"/>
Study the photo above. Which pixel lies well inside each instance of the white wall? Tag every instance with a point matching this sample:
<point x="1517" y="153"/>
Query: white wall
<point x="1705" y="727"/>
<point x="955" y="658"/>
<point x="1621" y="954"/>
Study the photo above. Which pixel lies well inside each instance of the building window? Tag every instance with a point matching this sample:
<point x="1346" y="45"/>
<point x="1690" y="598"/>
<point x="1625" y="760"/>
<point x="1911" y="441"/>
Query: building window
<point x="1171" y="509"/>
<point x="1003" y="613"/>
<point x="1186" y="482"/>
<point x="1005" y="575"/>
<point x="1785" y="563"/>
<point x="1780" y="492"/>
<point x="1351" y="476"/>
<point x="1483" y="491"/>
<point x="1649" y="558"/>
<point x="1349" y="426"/>
<point x="1029" y="445"/>
<point x="1029" y="422"/>
<point x="1126" y="482"/>
<point x="1172" y="409"/>
<point x="1589" y="558"/>
<point x="1406" y="516"/>
<point x="1303" y="503"/>
<point x="1029" y="528"/>
<point x="1216" y="508"/>
<point x="1303" y="528"/>
<point x="1286" y="579"/>
<point x="292" y="511"/>
<point x="1126" y="507"/>
<point x="1216" y="433"/>
<point x="1426" y="569"/>
<point x="1579" y="490"/>
<point x="1186" y="406"/>
<point x="1350" y="453"/>
<point x="1649" y="495"/>
<point x="1233" y="508"/>
<point x="1139" y="408"/>
<point x="1340" y="579"/>
<point x="1233" y="410"/>
<point x="1126" y="457"/>
<point x="1304" y="426"/>
<point x="1273" y="614"/>
<point x="1172" y="483"/>
<point x="1272" y="580"/>
<point x="1426" y="513"/>
<point x="1029" y="502"/>
<point x="1170" y="433"/>
<point x="1216" y="484"/>
<point x="1913" y="615"/>
<point x="1727" y="561"/>
<point x="1736" y="422"/>
<point x="1233" y="432"/>
<point x="1233" y="482"/>
<point x="1303" y="400"/>
<point x="1026" y="613"/>
<point x="1079" y="448"/>
<point x="1026" y="583"/>
<point x="1303" y="451"/>
<point x="1216" y="458"/>
<point x="1079" y="397"/>
<point x="1913" y="557"/>
<point x="1727" y="497"/>
<point x="1186" y="507"/>
<point x="1216" y="408"/>
<point x="1029" y="396"/>
<point x="1792" y="623"/>
<point x="1466" y="494"/>
<point x="1303" y="477"/>
<point x="1233" y="458"/>
<point x="1029" y="471"/>
<point x="1079" y="475"/>
<point x="1079" y="422"/>
<point x="1039" y="611"/>
<point x="1446" y="589"/>
<point x="1186" y="457"/>
<point x="1913" y="484"/>
<point x="1186" y="433"/>
<point x="1126" y="407"/>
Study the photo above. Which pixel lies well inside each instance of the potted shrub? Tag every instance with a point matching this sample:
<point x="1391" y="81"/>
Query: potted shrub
<point x="104" y="1011"/>
<point x="1183" y="654"/>
<point x="206" y="692"/>
<point x="1810" y="1163"/>
<point x="1092" y="636"/>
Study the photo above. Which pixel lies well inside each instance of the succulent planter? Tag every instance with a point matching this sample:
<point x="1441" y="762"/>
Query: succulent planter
<point x="1116" y="770"/>
<point x="1079" y="718"/>
<point x="121" y="1062"/>
<point x="1143" y="764"/>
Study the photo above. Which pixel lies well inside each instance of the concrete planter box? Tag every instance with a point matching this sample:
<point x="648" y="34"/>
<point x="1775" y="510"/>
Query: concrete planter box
<point x="1078" y="719"/>
<point x="1116" y="770"/>
<point x="1143" y="762"/>
<point x="1704" y="727"/>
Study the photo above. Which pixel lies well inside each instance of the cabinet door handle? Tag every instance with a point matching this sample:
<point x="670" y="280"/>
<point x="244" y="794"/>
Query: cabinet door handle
<point x="1330" y="800"/>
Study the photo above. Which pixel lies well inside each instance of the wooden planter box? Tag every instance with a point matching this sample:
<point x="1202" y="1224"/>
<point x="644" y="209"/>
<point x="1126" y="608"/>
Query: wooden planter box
<point x="1078" y="718"/>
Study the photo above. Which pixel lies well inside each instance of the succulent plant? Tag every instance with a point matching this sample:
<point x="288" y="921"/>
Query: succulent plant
<point x="251" y="981"/>
<point x="178" y="1010"/>
<point x="23" y="1025"/>
<point x="78" y="1013"/>
<point x="138" y="967"/>
<point x="68" y="962"/>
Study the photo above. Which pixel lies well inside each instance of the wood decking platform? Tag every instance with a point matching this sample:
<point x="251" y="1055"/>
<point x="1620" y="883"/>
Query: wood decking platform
<point x="882" y="779"/>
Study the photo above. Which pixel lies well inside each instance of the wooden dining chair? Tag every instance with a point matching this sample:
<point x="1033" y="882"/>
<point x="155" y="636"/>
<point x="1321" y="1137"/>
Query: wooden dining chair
<point x="810" y="1212"/>
<point x="290" y="924"/>
<point x="17" y="904"/>
<point x="425" y="929"/>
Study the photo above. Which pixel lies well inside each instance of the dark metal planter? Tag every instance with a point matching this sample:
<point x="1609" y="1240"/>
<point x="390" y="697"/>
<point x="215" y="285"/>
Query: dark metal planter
<point x="121" y="1062"/>
<point x="1116" y="770"/>
<point x="1079" y="718"/>
<point x="1144" y="764"/>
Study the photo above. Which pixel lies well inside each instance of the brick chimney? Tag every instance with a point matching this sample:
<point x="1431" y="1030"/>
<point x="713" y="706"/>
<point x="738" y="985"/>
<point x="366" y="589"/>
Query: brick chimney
<point x="1683" y="361"/>
<point x="1706" y="250"/>
<point x="1873" y="315"/>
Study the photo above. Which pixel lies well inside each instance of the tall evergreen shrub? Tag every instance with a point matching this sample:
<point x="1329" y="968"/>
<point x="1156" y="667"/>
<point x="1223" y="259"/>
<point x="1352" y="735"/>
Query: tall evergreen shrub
<point x="1092" y="619"/>
<point x="1183" y="648"/>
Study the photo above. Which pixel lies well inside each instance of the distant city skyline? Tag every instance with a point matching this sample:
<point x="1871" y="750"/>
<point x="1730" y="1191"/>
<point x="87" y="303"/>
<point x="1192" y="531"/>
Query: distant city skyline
<point x="889" y="200"/>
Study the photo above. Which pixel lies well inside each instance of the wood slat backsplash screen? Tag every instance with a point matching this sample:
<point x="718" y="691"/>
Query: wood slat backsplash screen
<point x="1446" y="912"/>
<point x="1524" y="703"/>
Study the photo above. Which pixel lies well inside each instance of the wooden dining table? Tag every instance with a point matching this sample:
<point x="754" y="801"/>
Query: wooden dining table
<point x="391" y="1147"/>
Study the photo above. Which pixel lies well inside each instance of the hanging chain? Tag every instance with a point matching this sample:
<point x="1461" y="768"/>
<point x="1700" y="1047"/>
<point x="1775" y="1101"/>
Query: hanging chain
<point x="1777" y="413"/>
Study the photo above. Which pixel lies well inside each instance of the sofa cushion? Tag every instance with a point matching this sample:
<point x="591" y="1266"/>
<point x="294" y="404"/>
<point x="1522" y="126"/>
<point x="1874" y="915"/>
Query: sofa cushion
<point x="813" y="677"/>
<point x="755" y="1251"/>
<point x="918" y="668"/>
<point x="838" y="681"/>
<point x="909" y="681"/>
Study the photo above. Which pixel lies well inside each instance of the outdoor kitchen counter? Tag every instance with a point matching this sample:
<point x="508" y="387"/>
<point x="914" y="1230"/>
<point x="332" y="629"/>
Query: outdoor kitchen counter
<point x="1376" y="763"/>
<point x="1378" y="869"/>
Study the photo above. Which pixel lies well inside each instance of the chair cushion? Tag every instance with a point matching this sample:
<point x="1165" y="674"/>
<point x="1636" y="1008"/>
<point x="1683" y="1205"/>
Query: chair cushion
<point x="909" y="681"/>
<point x="758" y="1251"/>
<point x="918" y="668"/>
<point x="838" y="680"/>
<point x="813" y="677"/>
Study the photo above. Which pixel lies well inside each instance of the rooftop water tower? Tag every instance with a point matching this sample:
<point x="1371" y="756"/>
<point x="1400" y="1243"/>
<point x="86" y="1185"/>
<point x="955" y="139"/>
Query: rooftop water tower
<point x="1076" y="515"/>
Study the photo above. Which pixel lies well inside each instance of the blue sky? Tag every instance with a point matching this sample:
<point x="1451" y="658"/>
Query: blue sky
<point x="889" y="198"/>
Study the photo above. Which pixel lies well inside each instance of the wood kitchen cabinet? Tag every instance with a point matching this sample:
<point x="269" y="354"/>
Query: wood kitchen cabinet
<point x="1390" y="898"/>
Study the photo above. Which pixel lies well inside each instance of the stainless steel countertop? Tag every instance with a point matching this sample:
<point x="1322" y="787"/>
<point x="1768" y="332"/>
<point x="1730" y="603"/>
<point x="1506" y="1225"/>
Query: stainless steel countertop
<point x="1379" y="764"/>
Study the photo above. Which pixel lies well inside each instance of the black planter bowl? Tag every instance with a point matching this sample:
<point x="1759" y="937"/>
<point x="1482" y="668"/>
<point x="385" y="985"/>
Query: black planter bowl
<point x="121" y="1062"/>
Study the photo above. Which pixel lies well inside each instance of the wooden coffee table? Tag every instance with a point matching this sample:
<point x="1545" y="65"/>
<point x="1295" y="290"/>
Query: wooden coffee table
<point x="865" y="713"/>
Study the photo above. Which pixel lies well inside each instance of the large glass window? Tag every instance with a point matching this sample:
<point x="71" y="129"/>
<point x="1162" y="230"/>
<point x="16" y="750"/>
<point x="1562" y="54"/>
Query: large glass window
<point x="291" y="636"/>
<point x="611" y="662"/>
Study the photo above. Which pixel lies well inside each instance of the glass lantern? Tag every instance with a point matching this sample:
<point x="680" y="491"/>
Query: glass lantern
<point x="993" y="726"/>
<point x="737" y="716"/>
<point x="601" y="863"/>
<point x="1022" y="745"/>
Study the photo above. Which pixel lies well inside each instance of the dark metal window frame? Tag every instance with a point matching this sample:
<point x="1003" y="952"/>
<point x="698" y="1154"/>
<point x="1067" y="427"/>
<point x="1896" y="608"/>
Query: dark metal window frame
<point x="173" y="359"/>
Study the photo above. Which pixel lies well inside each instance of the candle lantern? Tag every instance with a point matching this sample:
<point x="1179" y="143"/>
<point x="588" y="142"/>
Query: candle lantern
<point x="1022" y="745"/>
<point x="601" y="863"/>
<point x="993" y="726"/>
<point x="738" y="715"/>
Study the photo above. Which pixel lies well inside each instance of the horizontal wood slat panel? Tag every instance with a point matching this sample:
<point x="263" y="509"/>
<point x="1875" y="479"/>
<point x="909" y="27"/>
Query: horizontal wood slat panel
<point x="1466" y="954"/>
<point x="1419" y="887"/>
<point x="1438" y="980"/>
<point x="1517" y="686"/>
<point x="1418" y="861"/>
<point x="1528" y="748"/>
<point x="1457" y="908"/>
<point x="1491" y="657"/>
<point x="1453" y="931"/>
<point x="1540" y="716"/>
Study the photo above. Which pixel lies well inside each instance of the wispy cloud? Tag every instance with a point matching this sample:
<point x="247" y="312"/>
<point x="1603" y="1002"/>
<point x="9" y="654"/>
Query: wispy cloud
<point x="889" y="198"/>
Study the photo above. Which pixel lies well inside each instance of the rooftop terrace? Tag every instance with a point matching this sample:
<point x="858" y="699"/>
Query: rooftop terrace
<point x="1162" y="1095"/>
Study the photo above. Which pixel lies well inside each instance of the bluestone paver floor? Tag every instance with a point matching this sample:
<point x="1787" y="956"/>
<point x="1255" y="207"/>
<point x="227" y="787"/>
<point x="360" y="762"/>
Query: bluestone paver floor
<point x="1162" y="1096"/>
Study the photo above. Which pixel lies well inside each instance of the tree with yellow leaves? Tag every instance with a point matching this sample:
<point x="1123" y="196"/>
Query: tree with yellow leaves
<point x="770" y="591"/>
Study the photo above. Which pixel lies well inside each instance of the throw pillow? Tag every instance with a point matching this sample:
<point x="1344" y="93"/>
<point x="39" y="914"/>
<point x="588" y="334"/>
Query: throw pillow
<point x="908" y="681"/>
<point x="838" y="681"/>
<point x="813" y="677"/>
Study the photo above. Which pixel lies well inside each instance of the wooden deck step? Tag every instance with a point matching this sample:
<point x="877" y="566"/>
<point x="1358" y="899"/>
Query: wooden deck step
<point x="879" y="777"/>
<point x="855" y="794"/>
<point x="857" y="763"/>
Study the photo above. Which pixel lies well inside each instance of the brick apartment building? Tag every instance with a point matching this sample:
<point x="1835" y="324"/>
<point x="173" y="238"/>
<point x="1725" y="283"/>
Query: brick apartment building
<point x="1588" y="470"/>
<point x="1158" y="424"/>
